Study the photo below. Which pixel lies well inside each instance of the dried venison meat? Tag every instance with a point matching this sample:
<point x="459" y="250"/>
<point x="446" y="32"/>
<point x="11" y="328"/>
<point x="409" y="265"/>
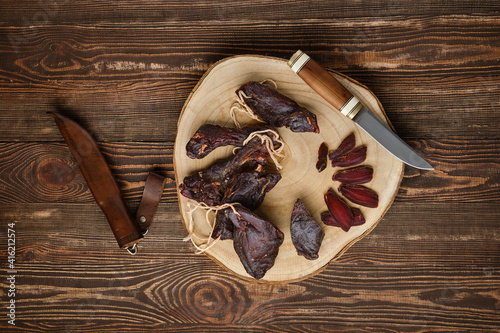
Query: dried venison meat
<point x="276" y="109"/>
<point x="209" y="137"/>
<point x="322" y="157"/>
<point x="340" y="211"/>
<point x="208" y="185"/>
<point x="249" y="188"/>
<point x="359" y="195"/>
<point x="306" y="233"/>
<point x="353" y="176"/>
<point x="256" y="241"/>
<point x="345" y="146"/>
<point x="354" y="157"/>
<point x="223" y="227"/>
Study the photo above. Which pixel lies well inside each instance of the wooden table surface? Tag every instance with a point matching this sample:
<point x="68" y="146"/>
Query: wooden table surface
<point x="124" y="71"/>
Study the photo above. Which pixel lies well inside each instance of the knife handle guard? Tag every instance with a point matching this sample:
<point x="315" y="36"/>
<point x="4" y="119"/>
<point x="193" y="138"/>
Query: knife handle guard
<point x="325" y="84"/>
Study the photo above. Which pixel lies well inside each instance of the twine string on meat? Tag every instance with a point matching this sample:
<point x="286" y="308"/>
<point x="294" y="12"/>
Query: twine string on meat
<point x="268" y="142"/>
<point x="207" y="242"/>
<point x="239" y="105"/>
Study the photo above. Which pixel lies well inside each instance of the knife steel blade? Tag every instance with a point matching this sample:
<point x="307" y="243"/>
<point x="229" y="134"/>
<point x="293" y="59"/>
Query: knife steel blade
<point x="100" y="181"/>
<point x="350" y="106"/>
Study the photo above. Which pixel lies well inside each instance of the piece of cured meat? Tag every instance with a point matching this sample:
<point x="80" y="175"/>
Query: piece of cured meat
<point x="248" y="189"/>
<point x="256" y="241"/>
<point x="209" y="185"/>
<point x="276" y="109"/>
<point x="209" y="137"/>
<point x="306" y="233"/>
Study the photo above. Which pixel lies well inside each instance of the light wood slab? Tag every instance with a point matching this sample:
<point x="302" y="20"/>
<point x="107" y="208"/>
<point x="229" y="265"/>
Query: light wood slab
<point x="210" y="102"/>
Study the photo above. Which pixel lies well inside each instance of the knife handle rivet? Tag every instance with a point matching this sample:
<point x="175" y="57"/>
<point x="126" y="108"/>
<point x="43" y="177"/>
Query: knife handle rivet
<point x="142" y="219"/>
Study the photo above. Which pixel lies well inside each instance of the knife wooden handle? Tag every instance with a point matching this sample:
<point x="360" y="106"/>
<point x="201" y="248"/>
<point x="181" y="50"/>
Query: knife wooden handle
<point x="325" y="84"/>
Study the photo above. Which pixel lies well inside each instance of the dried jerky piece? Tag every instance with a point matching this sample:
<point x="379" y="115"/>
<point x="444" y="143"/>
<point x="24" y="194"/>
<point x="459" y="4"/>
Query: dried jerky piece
<point x="345" y="146"/>
<point x="356" y="156"/>
<point x="358" y="175"/>
<point x="201" y="189"/>
<point x="276" y="109"/>
<point x="359" y="195"/>
<point x="256" y="241"/>
<point x="306" y="234"/>
<point x="358" y="219"/>
<point x="209" y="137"/>
<point x="339" y="209"/>
<point x="328" y="219"/>
<point x="224" y="227"/>
<point x="249" y="188"/>
<point x="251" y="156"/>
<point x="322" y="157"/>
<point x="208" y="186"/>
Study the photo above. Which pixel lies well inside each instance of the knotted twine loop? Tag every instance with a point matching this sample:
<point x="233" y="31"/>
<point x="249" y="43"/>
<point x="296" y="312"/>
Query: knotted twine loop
<point x="207" y="242"/>
<point x="239" y="105"/>
<point x="274" y="153"/>
<point x="272" y="81"/>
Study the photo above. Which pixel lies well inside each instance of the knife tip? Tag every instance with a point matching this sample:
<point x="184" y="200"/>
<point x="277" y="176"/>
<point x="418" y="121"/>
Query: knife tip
<point x="425" y="166"/>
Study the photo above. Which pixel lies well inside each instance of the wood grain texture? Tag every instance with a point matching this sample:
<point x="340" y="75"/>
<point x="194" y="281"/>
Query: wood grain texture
<point x="99" y="12"/>
<point x="403" y="277"/>
<point x="124" y="71"/>
<point x="423" y="69"/>
<point x="47" y="172"/>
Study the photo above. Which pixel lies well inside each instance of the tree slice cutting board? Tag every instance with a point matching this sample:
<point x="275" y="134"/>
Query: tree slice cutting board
<point x="210" y="102"/>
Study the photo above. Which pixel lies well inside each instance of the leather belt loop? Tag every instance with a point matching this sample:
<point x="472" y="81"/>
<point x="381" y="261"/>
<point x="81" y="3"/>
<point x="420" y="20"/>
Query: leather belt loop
<point x="151" y="196"/>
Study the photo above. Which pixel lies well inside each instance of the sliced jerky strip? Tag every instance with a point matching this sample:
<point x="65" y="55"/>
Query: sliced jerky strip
<point x="339" y="209"/>
<point x="359" y="195"/>
<point x="345" y="146"/>
<point x="358" y="218"/>
<point x="306" y="234"/>
<point x="358" y="175"/>
<point x="208" y="186"/>
<point x="328" y="219"/>
<point x="322" y="157"/>
<point x="209" y="137"/>
<point x="256" y="241"/>
<point x="277" y="110"/>
<point x="355" y="157"/>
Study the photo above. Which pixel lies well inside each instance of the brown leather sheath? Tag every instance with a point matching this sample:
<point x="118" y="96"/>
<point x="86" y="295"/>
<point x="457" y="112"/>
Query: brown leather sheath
<point x="104" y="188"/>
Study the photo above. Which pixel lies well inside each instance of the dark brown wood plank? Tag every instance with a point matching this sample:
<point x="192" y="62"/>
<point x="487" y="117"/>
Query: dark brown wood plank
<point x="97" y="12"/>
<point x="47" y="172"/>
<point x="465" y="170"/>
<point x="398" y="236"/>
<point x="124" y="71"/>
<point x="424" y="77"/>
<point x="437" y="272"/>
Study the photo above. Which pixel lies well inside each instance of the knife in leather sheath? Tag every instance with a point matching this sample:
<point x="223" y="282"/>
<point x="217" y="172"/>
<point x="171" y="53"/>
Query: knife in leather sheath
<point x="104" y="188"/>
<point x="350" y="106"/>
